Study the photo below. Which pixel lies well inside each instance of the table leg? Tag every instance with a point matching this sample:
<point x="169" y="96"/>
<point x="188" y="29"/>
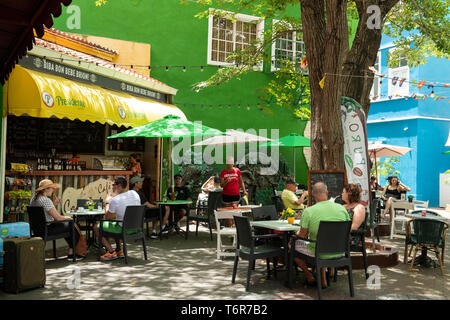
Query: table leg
<point x="424" y="260"/>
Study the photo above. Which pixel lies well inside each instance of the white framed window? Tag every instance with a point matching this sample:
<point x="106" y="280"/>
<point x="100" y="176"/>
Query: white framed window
<point x="226" y="36"/>
<point x="398" y="78"/>
<point x="376" y="86"/>
<point x="289" y="46"/>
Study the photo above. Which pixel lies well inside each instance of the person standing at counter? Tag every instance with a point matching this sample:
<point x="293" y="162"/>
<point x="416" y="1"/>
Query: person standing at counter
<point x="135" y="166"/>
<point x="42" y="199"/>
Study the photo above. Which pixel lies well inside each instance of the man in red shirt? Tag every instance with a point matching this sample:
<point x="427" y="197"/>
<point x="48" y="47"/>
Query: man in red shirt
<point x="230" y="179"/>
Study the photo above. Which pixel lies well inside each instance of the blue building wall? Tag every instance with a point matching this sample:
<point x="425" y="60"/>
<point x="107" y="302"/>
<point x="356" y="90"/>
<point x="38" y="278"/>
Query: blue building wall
<point x="419" y="124"/>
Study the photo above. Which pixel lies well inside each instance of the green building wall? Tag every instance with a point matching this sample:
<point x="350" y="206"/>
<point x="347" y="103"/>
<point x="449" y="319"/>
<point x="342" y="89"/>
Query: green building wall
<point x="177" y="38"/>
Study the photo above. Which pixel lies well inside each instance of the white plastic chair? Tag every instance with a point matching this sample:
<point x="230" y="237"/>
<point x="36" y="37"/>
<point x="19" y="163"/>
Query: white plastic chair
<point x="397" y="217"/>
<point x="227" y="231"/>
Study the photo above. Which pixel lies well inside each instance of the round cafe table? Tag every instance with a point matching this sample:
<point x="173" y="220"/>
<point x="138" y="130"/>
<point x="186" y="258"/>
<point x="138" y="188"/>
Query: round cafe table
<point x="90" y="216"/>
<point x="172" y="204"/>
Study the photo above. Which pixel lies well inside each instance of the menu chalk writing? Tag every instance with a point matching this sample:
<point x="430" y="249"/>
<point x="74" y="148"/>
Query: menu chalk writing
<point x="334" y="179"/>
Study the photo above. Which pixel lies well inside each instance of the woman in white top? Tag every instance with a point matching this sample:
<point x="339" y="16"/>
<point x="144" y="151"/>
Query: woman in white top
<point x="42" y="199"/>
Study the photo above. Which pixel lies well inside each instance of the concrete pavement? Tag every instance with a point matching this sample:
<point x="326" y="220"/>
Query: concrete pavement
<point x="188" y="269"/>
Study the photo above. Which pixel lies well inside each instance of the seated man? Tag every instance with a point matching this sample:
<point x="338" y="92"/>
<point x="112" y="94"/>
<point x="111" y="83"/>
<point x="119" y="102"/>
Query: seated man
<point x="323" y="210"/>
<point x="290" y="199"/>
<point x="151" y="209"/>
<point x="181" y="193"/>
<point x="116" y="207"/>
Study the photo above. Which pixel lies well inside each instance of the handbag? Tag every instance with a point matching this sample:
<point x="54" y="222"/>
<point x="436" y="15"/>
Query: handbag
<point x="81" y="246"/>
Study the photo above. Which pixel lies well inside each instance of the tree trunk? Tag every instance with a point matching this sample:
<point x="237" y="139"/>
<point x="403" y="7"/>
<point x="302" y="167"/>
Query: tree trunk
<point x="326" y="44"/>
<point x="328" y="56"/>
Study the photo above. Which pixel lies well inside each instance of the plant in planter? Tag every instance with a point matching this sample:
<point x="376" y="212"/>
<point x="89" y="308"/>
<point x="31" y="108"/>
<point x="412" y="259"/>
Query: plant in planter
<point x="410" y="198"/>
<point x="288" y="214"/>
<point x="90" y="203"/>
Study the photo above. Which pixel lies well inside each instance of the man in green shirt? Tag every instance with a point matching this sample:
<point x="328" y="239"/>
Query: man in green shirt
<point x="323" y="210"/>
<point x="290" y="199"/>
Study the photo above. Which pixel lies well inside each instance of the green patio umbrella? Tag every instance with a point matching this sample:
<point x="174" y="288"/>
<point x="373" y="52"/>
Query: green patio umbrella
<point x="293" y="140"/>
<point x="169" y="127"/>
<point x="446" y="152"/>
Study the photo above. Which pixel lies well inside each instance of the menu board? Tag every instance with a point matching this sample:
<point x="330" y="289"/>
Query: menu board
<point x="65" y="136"/>
<point x="334" y="179"/>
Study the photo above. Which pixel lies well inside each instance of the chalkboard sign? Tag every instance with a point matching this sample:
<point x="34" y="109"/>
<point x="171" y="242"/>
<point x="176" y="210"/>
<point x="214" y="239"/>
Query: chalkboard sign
<point x="334" y="179"/>
<point x="35" y="134"/>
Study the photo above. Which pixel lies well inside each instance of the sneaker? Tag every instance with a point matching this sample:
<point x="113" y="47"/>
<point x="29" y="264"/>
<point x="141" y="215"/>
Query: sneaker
<point x="154" y="235"/>
<point x="109" y="256"/>
<point x="120" y="253"/>
<point x="166" y="229"/>
<point x="77" y="258"/>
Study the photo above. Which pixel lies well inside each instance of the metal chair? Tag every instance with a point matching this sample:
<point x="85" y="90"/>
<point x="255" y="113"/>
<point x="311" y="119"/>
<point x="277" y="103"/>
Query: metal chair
<point x="332" y="239"/>
<point x="132" y="229"/>
<point x="214" y="200"/>
<point x="430" y="235"/>
<point x="40" y="228"/>
<point x="225" y="231"/>
<point x="247" y="250"/>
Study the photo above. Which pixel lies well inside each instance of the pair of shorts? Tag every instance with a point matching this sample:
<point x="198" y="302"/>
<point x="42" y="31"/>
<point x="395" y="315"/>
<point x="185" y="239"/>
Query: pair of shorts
<point x="302" y="247"/>
<point x="113" y="227"/>
<point x="229" y="199"/>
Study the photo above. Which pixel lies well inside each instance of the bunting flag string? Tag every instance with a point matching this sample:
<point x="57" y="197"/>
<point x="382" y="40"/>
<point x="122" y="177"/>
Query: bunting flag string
<point x="396" y="80"/>
<point x="415" y="96"/>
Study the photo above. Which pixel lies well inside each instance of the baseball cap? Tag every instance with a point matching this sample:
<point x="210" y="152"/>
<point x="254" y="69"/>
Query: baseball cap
<point x="136" y="179"/>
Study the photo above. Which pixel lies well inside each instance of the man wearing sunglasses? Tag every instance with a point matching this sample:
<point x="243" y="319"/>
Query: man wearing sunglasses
<point x="116" y="211"/>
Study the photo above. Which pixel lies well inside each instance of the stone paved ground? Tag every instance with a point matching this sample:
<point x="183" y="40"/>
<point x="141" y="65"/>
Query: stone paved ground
<point x="180" y="269"/>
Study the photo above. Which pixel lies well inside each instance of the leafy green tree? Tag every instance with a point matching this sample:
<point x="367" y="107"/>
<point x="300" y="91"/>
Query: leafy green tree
<point x="386" y="167"/>
<point x="335" y="68"/>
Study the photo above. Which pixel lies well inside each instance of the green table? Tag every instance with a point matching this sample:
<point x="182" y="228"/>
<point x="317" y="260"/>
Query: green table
<point x="280" y="225"/>
<point x="171" y="204"/>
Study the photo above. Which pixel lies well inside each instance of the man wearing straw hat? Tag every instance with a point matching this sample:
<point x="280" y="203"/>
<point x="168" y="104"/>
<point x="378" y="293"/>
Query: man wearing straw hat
<point x="42" y="199"/>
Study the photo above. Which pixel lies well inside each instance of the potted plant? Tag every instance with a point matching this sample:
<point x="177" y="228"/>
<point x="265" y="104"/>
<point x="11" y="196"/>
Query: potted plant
<point x="410" y="198"/>
<point x="90" y="203"/>
<point x="288" y="214"/>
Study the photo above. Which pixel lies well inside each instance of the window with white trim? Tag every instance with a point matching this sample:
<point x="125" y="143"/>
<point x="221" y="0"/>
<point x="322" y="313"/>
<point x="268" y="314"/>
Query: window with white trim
<point x="226" y="36"/>
<point x="376" y="86"/>
<point x="398" y="78"/>
<point x="287" y="46"/>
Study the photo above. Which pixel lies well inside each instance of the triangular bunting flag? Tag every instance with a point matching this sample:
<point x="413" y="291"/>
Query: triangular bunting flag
<point x="401" y="81"/>
<point x="322" y="83"/>
<point x="421" y="83"/>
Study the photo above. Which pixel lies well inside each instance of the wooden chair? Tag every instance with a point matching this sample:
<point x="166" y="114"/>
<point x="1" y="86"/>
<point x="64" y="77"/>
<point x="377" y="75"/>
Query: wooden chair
<point x="405" y="206"/>
<point x="226" y="231"/>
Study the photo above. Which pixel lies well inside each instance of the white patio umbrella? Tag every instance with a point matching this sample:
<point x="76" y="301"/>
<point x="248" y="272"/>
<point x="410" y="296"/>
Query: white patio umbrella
<point x="233" y="136"/>
<point x="448" y="141"/>
<point x="378" y="150"/>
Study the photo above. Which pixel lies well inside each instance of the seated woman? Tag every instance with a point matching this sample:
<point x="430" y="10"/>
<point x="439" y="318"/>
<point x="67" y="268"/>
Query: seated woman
<point x="351" y="194"/>
<point x="42" y="199"/>
<point x="212" y="184"/>
<point x="392" y="191"/>
<point x="374" y="186"/>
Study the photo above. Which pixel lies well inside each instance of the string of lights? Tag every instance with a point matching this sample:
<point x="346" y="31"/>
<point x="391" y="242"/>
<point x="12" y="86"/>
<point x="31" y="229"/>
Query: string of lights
<point x="417" y="83"/>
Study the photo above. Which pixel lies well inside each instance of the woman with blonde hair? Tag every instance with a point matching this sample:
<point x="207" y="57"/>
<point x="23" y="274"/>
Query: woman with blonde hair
<point x="42" y="199"/>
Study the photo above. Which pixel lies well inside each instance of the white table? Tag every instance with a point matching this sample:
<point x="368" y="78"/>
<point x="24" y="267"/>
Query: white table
<point x="90" y="217"/>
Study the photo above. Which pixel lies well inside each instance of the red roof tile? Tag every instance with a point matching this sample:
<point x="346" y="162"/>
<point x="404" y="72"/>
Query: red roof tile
<point x="80" y="56"/>
<point x="79" y="40"/>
